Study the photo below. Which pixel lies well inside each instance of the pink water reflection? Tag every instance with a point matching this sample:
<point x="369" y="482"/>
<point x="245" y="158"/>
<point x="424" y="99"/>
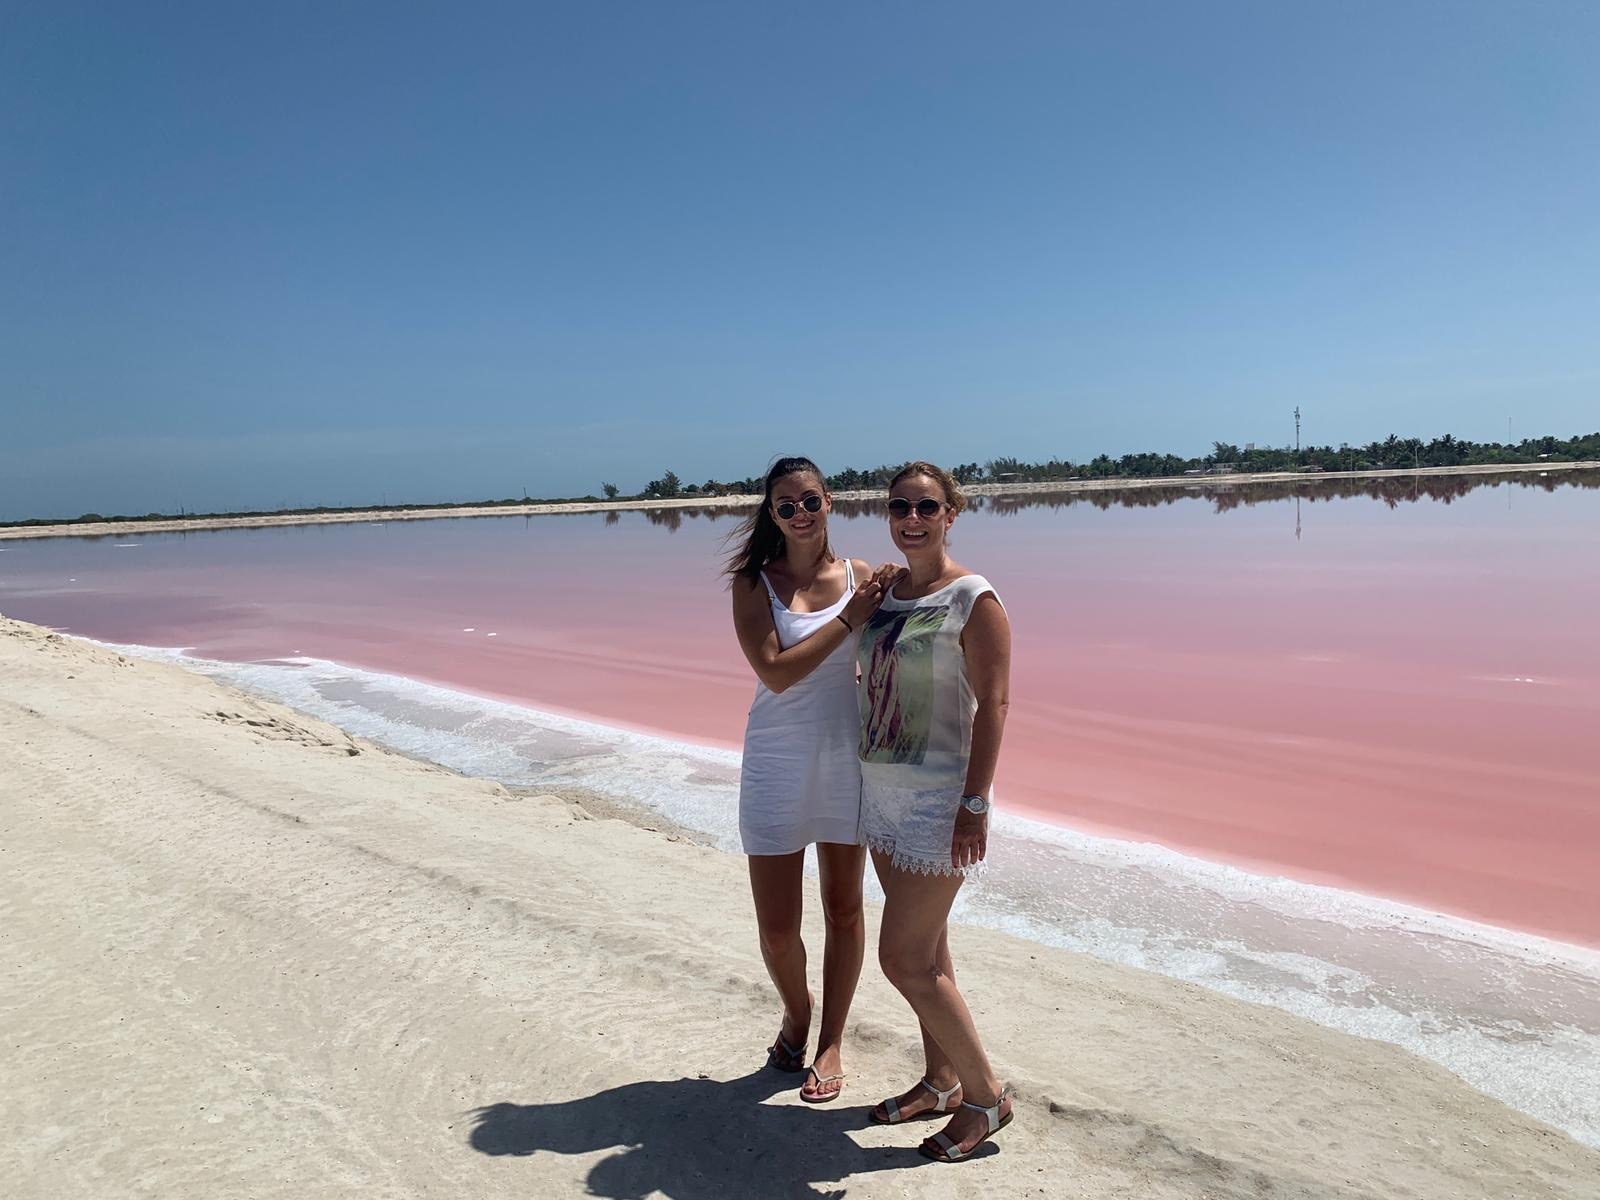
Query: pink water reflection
<point x="1396" y="701"/>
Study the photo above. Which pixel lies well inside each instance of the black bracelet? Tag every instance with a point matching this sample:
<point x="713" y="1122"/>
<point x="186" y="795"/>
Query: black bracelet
<point x="839" y="617"/>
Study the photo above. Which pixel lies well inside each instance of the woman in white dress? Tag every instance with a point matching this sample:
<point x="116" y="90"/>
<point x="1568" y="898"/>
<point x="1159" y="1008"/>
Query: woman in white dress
<point x="796" y="610"/>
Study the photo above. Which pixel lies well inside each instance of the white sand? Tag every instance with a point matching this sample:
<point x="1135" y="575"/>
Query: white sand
<point x="242" y="960"/>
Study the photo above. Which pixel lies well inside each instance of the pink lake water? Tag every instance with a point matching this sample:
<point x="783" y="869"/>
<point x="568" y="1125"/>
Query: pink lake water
<point x="1398" y="700"/>
<point x="1329" y="748"/>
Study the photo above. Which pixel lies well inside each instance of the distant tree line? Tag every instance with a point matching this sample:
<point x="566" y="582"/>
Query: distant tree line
<point x="1224" y="494"/>
<point x="1225" y="458"/>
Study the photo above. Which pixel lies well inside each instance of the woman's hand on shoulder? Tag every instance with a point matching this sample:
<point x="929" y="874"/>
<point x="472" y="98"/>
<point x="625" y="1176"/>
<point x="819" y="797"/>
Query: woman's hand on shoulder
<point x="870" y="591"/>
<point x="863" y="601"/>
<point x="888" y="574"/>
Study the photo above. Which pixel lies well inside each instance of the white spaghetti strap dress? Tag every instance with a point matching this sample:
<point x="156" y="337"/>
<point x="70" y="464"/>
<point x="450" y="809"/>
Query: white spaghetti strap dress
<point x="801" y="779"/>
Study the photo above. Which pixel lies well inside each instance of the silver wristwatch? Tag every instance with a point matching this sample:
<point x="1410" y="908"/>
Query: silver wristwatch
<point x="978" y="805"/>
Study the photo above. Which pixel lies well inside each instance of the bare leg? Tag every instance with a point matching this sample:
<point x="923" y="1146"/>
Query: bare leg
<point x="915" y="912"/>
<point x="940" y="1070"/>
<point x="841" y="867"/>
<point x="776" y="885"/>
<point x="937" y="1068"/>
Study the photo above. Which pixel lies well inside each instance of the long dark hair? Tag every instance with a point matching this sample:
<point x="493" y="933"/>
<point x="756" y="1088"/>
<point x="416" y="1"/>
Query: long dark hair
<point x="758" y="537"/>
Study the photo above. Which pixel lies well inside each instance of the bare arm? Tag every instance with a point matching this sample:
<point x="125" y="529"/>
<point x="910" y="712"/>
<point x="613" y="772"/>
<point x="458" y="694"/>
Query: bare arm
<point x="781" y="669"/>
<point x="986" y="642"/>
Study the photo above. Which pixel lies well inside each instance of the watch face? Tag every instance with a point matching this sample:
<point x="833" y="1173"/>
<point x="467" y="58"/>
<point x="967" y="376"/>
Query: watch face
<point x="975" y="804"/>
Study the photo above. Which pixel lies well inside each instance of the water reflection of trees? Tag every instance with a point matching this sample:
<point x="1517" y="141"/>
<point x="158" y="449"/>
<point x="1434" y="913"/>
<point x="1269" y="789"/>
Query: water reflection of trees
<point x="1223" y="497"/>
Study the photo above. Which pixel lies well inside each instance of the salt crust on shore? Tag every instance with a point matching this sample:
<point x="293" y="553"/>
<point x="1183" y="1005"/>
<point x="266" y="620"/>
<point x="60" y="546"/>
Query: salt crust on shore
<point x="248" y="955"/>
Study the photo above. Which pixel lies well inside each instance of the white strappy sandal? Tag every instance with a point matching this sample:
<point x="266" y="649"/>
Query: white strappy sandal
<point x="941" y="1105"/>
<point x="941" y="1148"/>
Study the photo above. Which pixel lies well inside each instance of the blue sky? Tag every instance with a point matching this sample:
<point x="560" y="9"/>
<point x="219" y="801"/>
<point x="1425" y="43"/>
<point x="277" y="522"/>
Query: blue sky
<point x="325" y="253"/>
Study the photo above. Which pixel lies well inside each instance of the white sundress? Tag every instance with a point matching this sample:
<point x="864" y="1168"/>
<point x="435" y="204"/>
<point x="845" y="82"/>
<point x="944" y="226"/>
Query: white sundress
<point x="916" y="725"/>
<point x="801" y="781"/>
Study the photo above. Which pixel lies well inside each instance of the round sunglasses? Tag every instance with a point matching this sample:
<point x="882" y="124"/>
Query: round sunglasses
<point x="786" y="510"/>
<point x="927" y="508"/>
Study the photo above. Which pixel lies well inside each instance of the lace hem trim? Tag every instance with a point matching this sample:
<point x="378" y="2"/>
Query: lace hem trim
<point x="922" y="866"/>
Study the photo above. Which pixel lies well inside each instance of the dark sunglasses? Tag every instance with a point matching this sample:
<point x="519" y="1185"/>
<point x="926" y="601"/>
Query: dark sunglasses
<point x="786" y="510"/>
<point x="927" y="508"/>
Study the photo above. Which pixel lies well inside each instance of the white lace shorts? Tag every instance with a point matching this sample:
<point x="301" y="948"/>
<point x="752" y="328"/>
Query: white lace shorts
<point x="913" y="826"/>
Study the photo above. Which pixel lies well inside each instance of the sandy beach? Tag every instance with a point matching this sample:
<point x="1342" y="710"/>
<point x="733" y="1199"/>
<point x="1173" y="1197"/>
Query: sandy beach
<point x="250" y="955"/>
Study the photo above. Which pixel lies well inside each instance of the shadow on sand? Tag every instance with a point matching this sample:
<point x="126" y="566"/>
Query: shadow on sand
<point x="701" y="1139"/>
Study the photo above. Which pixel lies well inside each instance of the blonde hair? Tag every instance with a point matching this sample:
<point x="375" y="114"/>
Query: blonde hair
<point x="952" y="490"/>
